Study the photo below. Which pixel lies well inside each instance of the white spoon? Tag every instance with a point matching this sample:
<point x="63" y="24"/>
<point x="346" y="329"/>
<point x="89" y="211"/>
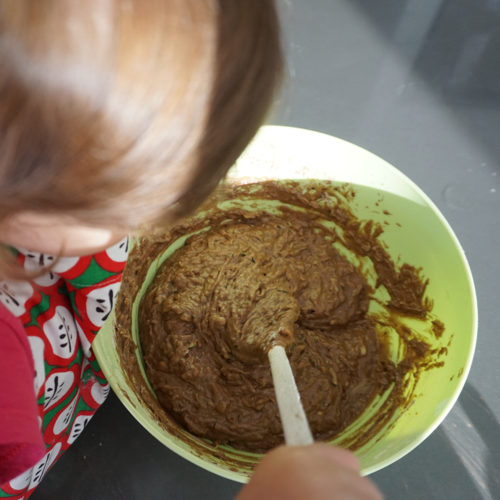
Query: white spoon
<point x="293" y="418"/>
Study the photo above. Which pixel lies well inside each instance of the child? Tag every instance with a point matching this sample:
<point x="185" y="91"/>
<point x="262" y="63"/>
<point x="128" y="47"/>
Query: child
<point x="114" y="115"/>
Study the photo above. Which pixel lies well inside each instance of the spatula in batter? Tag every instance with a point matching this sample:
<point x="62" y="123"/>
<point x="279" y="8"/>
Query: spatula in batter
<point x="270" y="328"/>
<point x="293" y="418"/>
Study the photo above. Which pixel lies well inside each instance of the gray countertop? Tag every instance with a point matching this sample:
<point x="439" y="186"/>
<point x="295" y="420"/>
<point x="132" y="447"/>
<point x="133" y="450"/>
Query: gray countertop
<point x="418" y="83"/>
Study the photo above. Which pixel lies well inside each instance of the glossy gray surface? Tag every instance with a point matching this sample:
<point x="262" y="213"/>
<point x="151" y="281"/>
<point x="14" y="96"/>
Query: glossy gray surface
<point x="418" y="83"/>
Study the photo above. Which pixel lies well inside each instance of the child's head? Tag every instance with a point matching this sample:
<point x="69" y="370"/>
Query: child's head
<point x="117" y="113"/>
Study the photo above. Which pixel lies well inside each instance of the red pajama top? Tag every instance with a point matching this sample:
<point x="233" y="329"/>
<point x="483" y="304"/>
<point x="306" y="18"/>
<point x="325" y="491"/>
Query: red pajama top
<point x="61" y="312"/>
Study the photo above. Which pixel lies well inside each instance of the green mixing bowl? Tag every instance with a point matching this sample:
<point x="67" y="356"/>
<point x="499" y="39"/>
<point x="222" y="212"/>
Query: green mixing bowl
<point x="414" y="232"/>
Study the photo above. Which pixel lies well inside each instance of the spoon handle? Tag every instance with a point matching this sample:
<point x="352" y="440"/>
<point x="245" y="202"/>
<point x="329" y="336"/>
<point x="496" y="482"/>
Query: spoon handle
<point x="293" y="417"/>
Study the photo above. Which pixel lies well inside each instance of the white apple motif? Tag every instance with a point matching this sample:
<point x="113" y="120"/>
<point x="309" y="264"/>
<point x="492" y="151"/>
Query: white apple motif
<point x="14" y="295"/>
<point x="21" y="481"/>
<point x="35" y="262"/>
<point x="100" y="302"/>
<point x="43" y="465"/>
<point x="78" y="425"/>
<point x="84" y="342"/>
<point x="37" y="349"/>
<point x="61" y="332"/>
<point x="57" y="385"/>
<point x="64" y="418"/>
<point x="64" y="264"/>
<point x="99" y="392"/>
<point x="119" y="251"/>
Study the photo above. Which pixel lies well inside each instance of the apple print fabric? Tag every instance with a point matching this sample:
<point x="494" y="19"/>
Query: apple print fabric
<point x="61" y="311"/>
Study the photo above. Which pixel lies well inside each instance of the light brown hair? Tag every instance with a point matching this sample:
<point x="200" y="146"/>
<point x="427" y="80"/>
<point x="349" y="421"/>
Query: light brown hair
<point x="126" y="111"/>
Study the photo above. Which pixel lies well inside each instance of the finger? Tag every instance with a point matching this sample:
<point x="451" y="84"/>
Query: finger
<point x="337" y="456"/>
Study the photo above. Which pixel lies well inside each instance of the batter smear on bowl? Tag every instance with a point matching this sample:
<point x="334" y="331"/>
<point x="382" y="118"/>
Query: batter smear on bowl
<point x="205" y="319"/>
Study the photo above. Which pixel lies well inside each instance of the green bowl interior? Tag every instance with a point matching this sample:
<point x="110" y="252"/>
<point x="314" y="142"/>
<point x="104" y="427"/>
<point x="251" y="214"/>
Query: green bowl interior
<point x="414" y="232"/>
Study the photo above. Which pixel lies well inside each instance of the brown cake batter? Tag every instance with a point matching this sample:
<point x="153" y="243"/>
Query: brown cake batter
<point x="255" y="278"/>
<point x="218" y="304"/>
